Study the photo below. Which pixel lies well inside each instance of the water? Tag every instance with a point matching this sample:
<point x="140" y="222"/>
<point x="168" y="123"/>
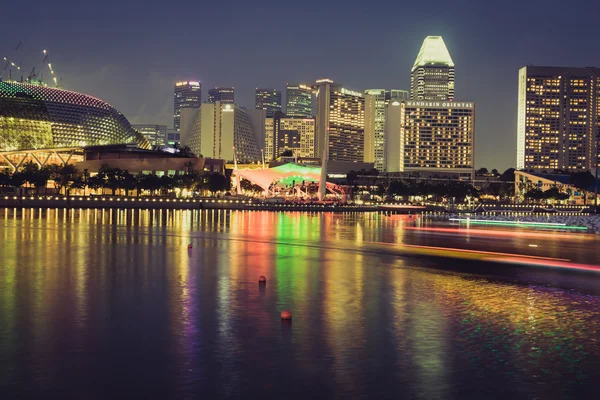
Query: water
<point x="97" y="304"/>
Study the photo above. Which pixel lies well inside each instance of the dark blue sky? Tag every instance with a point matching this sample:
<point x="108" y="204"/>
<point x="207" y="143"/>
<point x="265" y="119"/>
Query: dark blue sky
<point x="130" y="54"/>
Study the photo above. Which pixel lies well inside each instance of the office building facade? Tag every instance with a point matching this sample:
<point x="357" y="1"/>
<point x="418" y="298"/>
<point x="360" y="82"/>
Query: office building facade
<point x="187" y="94"/>
<point x="299" y="100"/>
<point x="219" y="130"/>
<point x="558" y="118"/>
<point x="268" y="100"/>
<point x="435" y="136"/>
<point x="172" y="137"/>
<point x="222" y="95"/>
<point x="340" y="122"/>
<point x="432" y="75"/>
<point x="376" y="101"/>
<point x="156" y="134"/>
<point x="289" y="133"/>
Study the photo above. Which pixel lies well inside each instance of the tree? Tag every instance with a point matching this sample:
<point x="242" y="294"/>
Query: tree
<point x="508" y="175"/>
<point x="185" y="151"/>
<point x="287" y="153"/>
<point x="217" y="182"/>
<point x="248" y="186"/>
<point x="5" y="178"/>
<point x="351" y="177"/>
<point x="582" y="181"/>
<point x="129" y="182"/>
<point x="482" y="171"/>
<point x="111" y="177"/>
<point x="495" y="172"/>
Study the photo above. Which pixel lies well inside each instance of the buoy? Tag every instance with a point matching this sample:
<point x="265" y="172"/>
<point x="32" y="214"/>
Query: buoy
<point x="285" y="314"/>
<point x="190" y="246"/>
<point x="262" y="279"/>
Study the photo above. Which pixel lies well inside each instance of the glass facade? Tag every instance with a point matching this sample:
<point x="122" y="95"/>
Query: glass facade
<point x="558" y="118"/>
<point x="187" y="94"/>
<point x="432" y="75"/>
<point x="268" y="100"/>
<point x="223" y="95"/>
<point x="38" y="117"/>
<point x="156" y="134"/>
<point x="298" y="101"/>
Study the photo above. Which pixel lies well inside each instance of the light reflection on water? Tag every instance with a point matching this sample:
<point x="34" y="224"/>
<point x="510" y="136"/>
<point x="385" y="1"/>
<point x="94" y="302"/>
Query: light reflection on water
<point x="95" y="301"/>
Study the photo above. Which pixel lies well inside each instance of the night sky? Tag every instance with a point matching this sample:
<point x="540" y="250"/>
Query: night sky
<point x="130" y="54"/>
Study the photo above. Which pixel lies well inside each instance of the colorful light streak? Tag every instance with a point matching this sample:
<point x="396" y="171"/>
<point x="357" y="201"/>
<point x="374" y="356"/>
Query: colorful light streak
<point x="551" y="225"/>
<point x="504" y="233"/>
<point x="461" y="253"/>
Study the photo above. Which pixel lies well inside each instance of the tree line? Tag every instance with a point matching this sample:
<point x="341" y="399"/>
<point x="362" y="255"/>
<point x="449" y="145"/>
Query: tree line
<point x="68" y="177"/>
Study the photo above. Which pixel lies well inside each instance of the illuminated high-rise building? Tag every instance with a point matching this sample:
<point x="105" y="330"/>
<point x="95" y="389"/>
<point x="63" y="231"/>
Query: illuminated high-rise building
<point x="156" y="134"/>
<point x="299" y="100"/>
<point x="289" y="133"/>
<point x="187" y="94"/>
<point x="268" y="100"/>
<point x="558" y="118"/>
<point x="376" y="101"/>
<point x="173" y="137"/>
<point x="222" y="95"/>
<point x="220" y="129"/>
<point x="432" y="75"/>
<point x="435" y="136"/>
<point x="340" y="122"/>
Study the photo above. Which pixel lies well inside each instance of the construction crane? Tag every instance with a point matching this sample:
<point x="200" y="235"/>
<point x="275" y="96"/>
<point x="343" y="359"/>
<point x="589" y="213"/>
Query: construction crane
<point x="46" y="60"/>
<point x="8" y="63"/>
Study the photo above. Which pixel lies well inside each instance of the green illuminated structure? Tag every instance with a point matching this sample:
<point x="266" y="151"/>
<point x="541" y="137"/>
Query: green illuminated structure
<point x="39" y="117"/>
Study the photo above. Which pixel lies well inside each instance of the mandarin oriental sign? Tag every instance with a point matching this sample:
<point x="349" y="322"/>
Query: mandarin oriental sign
<point x="440" y="104"/>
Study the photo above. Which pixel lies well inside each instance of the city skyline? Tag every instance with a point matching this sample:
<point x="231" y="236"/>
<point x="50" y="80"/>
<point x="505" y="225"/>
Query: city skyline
<point x="138" y="79"/>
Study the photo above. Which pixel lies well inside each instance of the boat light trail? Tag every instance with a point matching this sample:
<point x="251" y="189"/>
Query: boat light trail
<point x="552" y="225"/>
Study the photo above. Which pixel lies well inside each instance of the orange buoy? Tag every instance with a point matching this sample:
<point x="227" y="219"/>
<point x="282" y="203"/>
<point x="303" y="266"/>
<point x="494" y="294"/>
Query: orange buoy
<point x="285" y="314"/>
<point x="262" y="279"/>
<point x="190" y="246"/>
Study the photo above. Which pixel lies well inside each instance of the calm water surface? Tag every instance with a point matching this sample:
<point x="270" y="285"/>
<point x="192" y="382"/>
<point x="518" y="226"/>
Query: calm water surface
<point x="103" y="304"/>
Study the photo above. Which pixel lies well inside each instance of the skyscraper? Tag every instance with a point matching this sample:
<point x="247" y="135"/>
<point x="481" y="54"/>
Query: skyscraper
<point x="220" y="129"/>
<point x="268" y="100"/>
<point x="340" y="122"/>
<point x="558" y="118"/>
<point x="156" y="134"/>
<point x="436" y="136"/>
<point x="432" y="75"/>
<point x="298" y="100"/>
<point x="289" y="133"/>
<point x="187" y="94"/>
<point x="376" y="101"/>
<point x="223" y="95"/>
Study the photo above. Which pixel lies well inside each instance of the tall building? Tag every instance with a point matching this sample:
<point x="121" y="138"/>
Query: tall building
<point x="156" y="134"/>
<point x="289" y="133"/>
<point x="435" y="136"/>
<point x="394" y="137"/>
<point x="376" y="101"/>
<point x="222" y="95"/>
<point x="432" y="75"/>
<point x="558" y="118"/>
<point x="187" y="94"/>
<point x="268" y="100"/>
<point x="340" y="122"/>
<point x="298" y="100"/>
<point x="172" y="137"/>
<point x="220" y="129"/>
